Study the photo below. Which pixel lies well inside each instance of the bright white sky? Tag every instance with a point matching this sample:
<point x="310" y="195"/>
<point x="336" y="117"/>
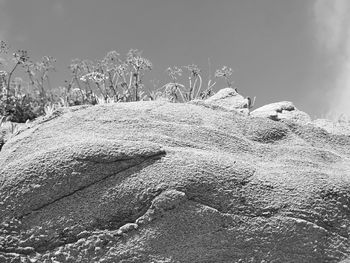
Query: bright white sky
<point x="279" y="49"/>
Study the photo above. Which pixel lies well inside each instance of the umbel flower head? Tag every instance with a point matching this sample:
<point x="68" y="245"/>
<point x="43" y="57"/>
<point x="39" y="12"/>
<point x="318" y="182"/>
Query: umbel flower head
<point x="3" y="47"/>
<point x="194" y="69"/>
<point x="134" y="59"/>
<point x="224" y="72"/>
<point x="111" y="57"/>
<point x="21" y="56"/>
<point x="121" y="69"/>
<point x="94" y="76"/>
<point x="174" y="72"/>
<point x="140" y="63"/>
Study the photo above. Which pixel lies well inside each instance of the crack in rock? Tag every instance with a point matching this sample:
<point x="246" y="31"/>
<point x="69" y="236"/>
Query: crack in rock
<point x="151" y="157"/>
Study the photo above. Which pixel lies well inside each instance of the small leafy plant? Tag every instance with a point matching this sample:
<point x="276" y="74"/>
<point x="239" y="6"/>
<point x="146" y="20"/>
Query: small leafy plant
<point x="173" y="88"/>
<point x="225" y="72"/>
<point x="195" y="82"/>
<point x="111" y="79"/>
<point x="138" y="66"/>
<point x="17" y="102"/>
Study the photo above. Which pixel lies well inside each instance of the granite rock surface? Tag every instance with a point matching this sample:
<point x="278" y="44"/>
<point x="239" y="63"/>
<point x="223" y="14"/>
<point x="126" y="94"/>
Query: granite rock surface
<point x="166" y="182"/>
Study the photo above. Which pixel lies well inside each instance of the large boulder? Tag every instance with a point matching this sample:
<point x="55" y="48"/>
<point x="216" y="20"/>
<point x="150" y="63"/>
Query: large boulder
<point x="165" y="182"/>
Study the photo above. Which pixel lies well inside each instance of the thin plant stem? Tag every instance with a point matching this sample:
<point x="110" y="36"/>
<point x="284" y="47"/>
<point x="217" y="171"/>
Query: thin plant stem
<point x="199" y="86"/>
<point x="193" y="88"/>
<point x="100" y="89"/>
<point x="111" y="83"/>
<point x="136" y="84"/>
<point x="178" y="88"/>
<point x="209" y="73"/>
<point x="9" y="81"/>
<point x="130" y="80"/>
<point x="190" y="81"/>
<point x="79" y="87"/>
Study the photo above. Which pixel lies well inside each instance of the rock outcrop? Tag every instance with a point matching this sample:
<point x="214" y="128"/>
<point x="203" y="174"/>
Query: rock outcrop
<point x="165" y="182"/>
<point x="226" y="99"/>
<point x="280" y="111"/>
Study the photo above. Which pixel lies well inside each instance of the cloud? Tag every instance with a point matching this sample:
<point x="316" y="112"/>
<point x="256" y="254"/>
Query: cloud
<point x="332" y="21"/>
<point x="330" y="18"/>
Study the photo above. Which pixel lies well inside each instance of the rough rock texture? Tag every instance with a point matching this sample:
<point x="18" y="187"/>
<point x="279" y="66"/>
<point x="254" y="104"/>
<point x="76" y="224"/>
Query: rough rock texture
<point x="9" y="129"/>
<point x="225" y="99"/>
<point x="163" y="182"/>
<point x="281" y="110"/>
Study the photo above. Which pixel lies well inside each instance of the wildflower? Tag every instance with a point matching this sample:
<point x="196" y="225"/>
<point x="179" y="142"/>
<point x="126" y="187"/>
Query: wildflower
<point x="174" y="72"/>
<point x="134" y="58"/>
<point x="111" y="56"/>
<point x="74" y="66"/>
<point x="95" y="76"/>
<point x="194" y="69"/>
<point x="3" y="47"/>
<point x="140" y="63"/>
<point x="21" y="56"/>
<point x="84" y="78"/>
<point x="76" y="90"/>
<point x="133" y="53"/>
<point x="122" y="68"/>
<point x="48" y="60"/>
<point x="224" y="72"/>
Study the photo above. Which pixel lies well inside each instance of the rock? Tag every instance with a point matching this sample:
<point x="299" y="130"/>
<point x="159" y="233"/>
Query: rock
<point x="9" y="129"/>
<point x="281" y="111"/>
<point x="174" y="182"/>
<point x="226" y="99"/>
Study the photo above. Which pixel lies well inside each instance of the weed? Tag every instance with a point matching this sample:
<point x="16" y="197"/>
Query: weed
<point x="109" y="80"/>
<point x="195" y="81"/>
<point x="49" y="109"/>
<point x="113" y="78"/>
<point x="138" y="66"/>
<point x="173" y="88"/>
<point x="16" y="103"/>
<point x="225" y="72"/>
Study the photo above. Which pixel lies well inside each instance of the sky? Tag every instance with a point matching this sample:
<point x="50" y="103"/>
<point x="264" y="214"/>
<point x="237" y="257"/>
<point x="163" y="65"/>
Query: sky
<point x="280" y="50"/>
